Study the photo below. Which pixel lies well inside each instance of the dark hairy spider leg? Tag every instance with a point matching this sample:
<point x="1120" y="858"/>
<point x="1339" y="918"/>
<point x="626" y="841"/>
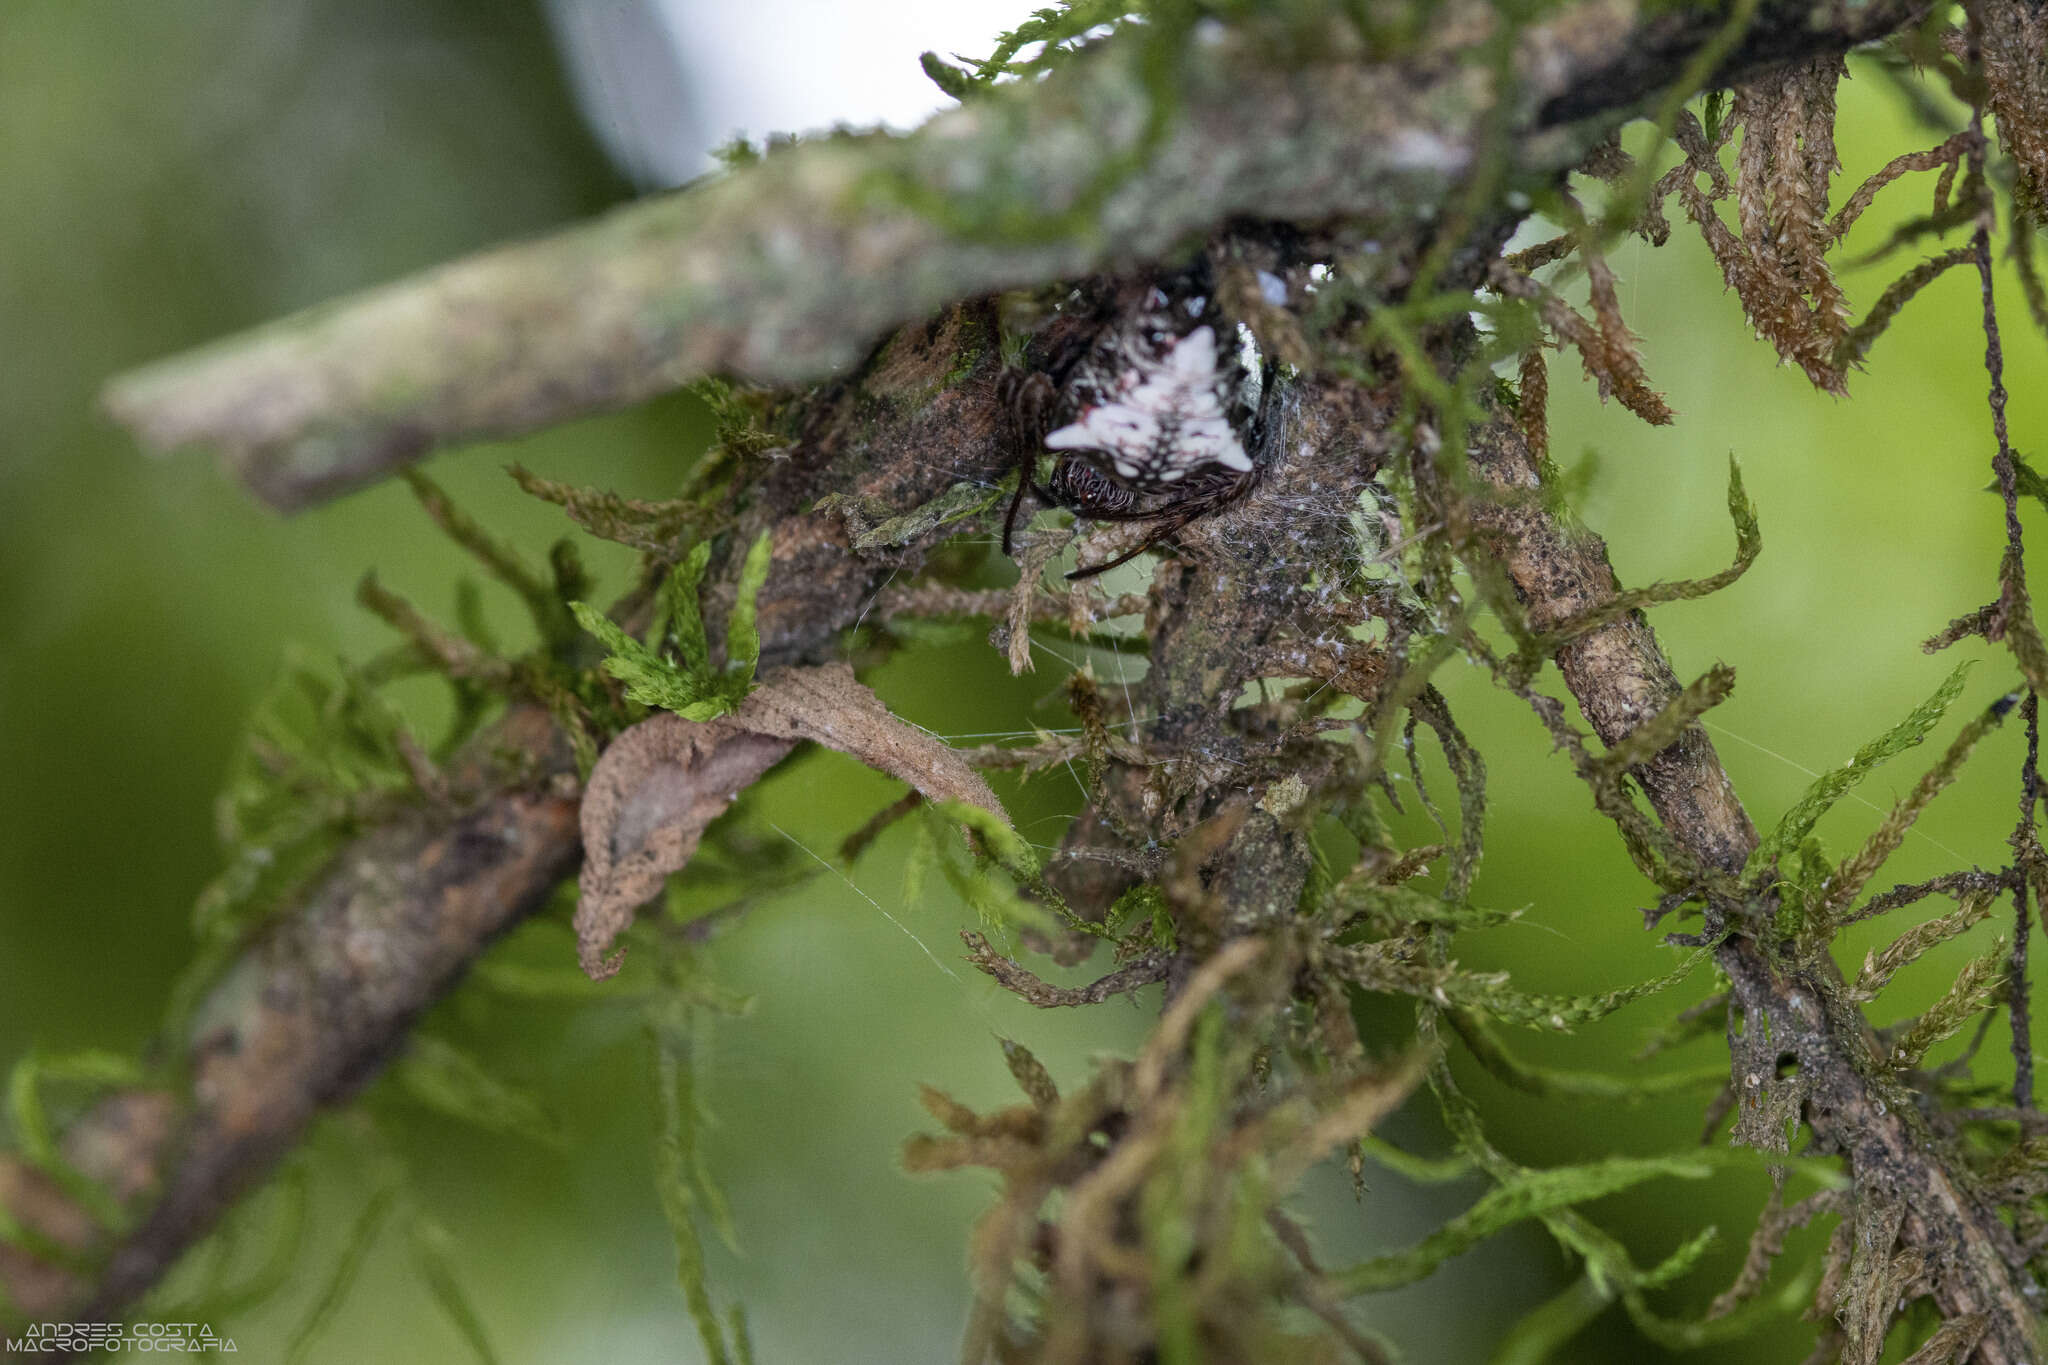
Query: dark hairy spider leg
<point x="1168" y="524"/>
<point x="1027" y="396"/>
<point x="1025" y="484"/>
<point x="1170" y="520"/>
<point x="1122" y="559"/>
<point x="1112" y="514"/>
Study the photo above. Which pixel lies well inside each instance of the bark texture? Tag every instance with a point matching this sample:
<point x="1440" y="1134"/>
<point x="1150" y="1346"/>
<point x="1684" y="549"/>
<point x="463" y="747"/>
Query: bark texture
<point x="789" y="273"/>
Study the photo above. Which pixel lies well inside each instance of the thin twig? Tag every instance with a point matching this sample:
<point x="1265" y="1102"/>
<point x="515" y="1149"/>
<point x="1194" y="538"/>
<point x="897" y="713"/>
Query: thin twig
<point x="2027" y="849"/>
<point x="1033" y="989"/>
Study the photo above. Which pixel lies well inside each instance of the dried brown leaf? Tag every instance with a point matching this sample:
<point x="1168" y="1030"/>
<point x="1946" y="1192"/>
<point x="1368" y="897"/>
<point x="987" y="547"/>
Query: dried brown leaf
<point x="828" y="704"/>
<point x="660" y="783"/>
<point x="651" y="795"/>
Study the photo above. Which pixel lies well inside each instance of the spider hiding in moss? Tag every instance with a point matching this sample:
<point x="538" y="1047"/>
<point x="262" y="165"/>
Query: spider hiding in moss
<point x="1160" y="425"/>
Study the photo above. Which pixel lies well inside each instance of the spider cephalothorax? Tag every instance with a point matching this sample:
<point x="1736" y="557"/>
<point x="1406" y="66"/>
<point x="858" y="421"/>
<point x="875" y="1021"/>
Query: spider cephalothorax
<point x="1157" y="425"/>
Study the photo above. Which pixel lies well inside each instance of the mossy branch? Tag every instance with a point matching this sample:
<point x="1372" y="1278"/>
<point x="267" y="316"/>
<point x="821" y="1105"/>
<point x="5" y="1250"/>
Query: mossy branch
<point x="1618" y="673"/>
<point x="296" y="1017"/>
<point x="788" y="269"/>
<point x="795" y="266"/>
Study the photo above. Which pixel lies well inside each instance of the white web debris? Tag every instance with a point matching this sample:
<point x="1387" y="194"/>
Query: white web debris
<point x="1164" y="420"/>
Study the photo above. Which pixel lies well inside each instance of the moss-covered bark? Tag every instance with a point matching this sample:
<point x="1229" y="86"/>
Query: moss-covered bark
<point x="1384" y="444"/>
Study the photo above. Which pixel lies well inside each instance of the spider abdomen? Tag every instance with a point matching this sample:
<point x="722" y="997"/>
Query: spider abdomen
<point x="1159" y="422"/>
<point x="1079" y="485"/>
<point x="1155" y="410"/>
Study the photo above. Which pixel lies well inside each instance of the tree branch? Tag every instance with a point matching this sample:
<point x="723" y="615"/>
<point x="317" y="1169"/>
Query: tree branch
<point x="1620" y="677"/>
<point x="788" y="271"/>
<point x="791" y="270"/>
<point x="313" y="1009"/>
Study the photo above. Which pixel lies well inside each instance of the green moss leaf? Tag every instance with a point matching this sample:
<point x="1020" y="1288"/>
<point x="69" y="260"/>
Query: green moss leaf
<point x="355" y="1250"/>
<point x="650" y="679"/>
<point x="1797" y="823"/>
<point x="680" y="1175"/>
<point x="676" y="613"/>
<point x="742" y="634"/>
<point x="448" y="1080"/>
<point x="1529" y="1195"/>
<point x="432" y="1250"/>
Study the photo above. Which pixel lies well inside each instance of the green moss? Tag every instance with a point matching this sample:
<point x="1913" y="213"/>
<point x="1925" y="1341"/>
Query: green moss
<point x="673" y="670"/>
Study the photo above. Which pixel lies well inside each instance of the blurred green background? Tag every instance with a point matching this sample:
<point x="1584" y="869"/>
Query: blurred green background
<point x="175" y="171"/>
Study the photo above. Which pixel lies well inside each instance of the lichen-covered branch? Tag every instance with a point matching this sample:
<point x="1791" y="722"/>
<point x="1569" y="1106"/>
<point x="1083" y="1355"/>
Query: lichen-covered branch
<point x="316" y="1005"/>
<point x="1807" y="1036"/>
<point x="787" y="271"/>
<point x="1380" y="442"/>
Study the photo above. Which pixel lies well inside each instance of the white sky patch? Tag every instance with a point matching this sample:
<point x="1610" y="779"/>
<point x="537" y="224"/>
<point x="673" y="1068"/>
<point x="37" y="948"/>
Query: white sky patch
<point x="755" y="67"/>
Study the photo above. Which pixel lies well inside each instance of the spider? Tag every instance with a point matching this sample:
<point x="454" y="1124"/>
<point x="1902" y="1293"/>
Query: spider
<point x="1158" y="429"/>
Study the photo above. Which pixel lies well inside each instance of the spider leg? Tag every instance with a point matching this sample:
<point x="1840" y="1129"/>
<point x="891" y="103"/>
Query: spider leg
<point x="1092" y="513"/>
<point x="1168" y="524"/>
<point x="1027" y="397"/>
<point x="1169" y="521"/>
<point x="1093" y="569"/>
<point x="1025" y="484"/>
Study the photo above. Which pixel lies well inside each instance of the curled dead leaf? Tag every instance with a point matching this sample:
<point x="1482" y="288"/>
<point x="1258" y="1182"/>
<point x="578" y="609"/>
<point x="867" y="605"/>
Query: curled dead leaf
<point x="659" y="784"/>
